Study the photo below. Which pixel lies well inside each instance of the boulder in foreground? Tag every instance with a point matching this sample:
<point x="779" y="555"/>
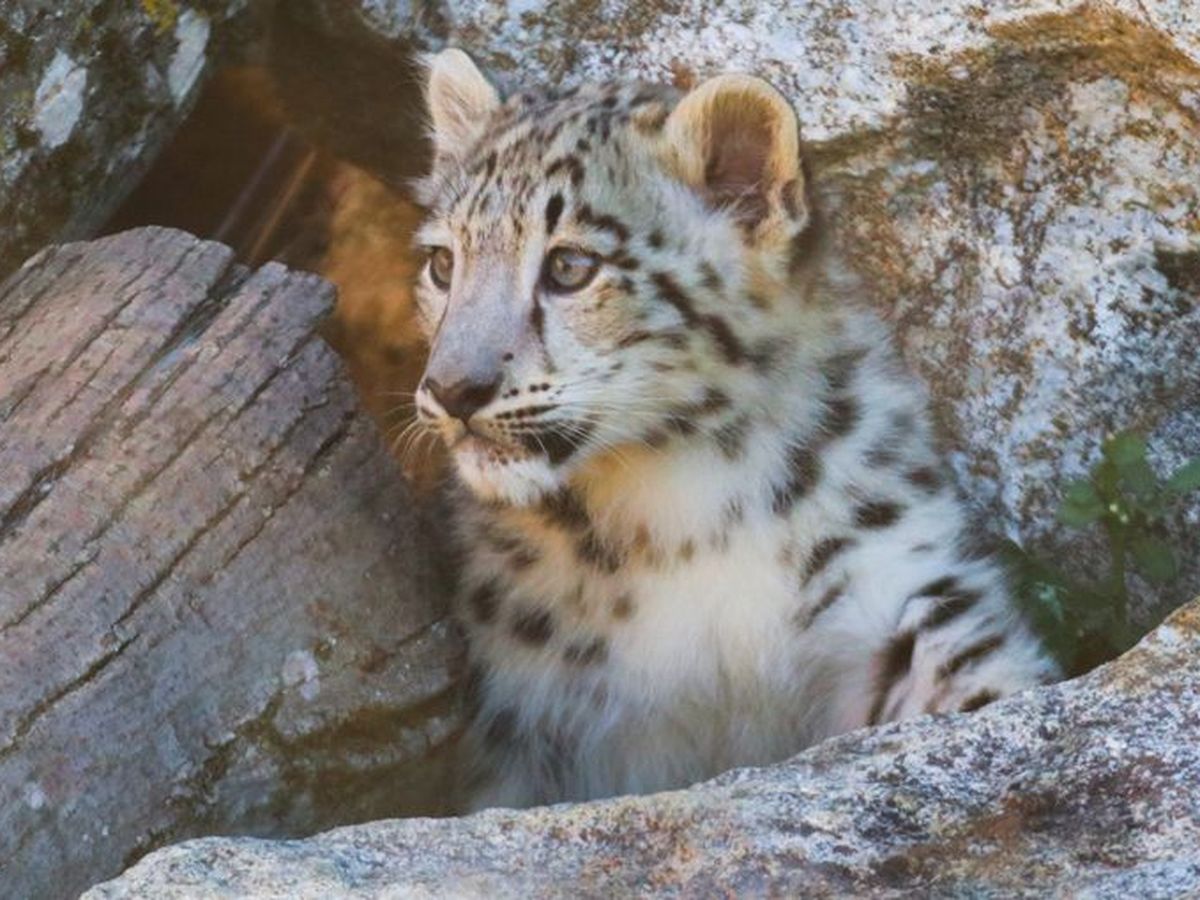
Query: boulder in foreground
<point x="1089" y="788"/>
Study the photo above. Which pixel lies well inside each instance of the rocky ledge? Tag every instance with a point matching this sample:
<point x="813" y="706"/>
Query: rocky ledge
<point x="1090" y="788"/>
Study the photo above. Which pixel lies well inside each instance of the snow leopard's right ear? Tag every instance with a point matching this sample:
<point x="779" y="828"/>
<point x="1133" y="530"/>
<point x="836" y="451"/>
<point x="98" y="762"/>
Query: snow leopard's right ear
<point x="460" y="100"/>
<point x="736" y="140"/>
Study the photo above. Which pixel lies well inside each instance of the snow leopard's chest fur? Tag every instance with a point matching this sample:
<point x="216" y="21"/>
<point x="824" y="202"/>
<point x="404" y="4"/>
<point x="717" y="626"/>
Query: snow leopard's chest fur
<point x="705" y="524"/>
<point x="761" y="585"/>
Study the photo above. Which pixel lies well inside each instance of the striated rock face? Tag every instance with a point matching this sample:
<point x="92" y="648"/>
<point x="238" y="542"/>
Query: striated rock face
<point x="220" y="610"/>
<point x="1090" y="788"/>
<point x="1016" y="181"/>
<point x="89" y="91"/>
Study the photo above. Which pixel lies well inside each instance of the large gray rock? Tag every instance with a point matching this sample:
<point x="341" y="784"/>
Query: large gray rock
<point x="89" y="91"/>
<point x="1016" y="180"/>
<point x="1091" y="788"/>
<point x="220" y="607"/>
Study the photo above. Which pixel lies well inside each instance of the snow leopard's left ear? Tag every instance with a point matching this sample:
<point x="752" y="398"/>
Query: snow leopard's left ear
<point x="461" y="100"/>
<point x="736" y="139"/>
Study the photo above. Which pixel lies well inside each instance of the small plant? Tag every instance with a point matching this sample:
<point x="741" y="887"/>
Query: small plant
<point x="1085" y="623"/>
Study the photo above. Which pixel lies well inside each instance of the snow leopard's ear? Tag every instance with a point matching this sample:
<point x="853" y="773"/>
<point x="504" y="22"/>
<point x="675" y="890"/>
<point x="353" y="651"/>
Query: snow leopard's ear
<point x="460" y="100"/>
<point x="736" y="139"/>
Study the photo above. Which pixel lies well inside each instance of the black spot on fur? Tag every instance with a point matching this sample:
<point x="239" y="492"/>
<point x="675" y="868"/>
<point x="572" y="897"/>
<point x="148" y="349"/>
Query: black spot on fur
<point x="554" y="208"/>
<point x="655" y="239"/>
<point x="523" y="557"/>
<point x="882" y="456"/>
<point x="975" y="544"/>
<point x="537" y="318"/>
<point x="804" y="469"/>
<point x="894" y="663"/>
<point x="766" y="354"/>
<point x="830" y="597"/>
<point x="656" y="438"/>
<point x="586" y="653"/>
<point x="534" y="627"/>
<point x="950" y="608"/>
<point x="715" y="400"/>
<point x="839" y="370"/>
<point x="878" y="514"/>
<point x="569" y="164"/>
<point x="731" y="438"/>
<point x="718" y="329"/>
<point x="939" y="588"/>
<point x="734" y="512"/>
<point x="822" y="554"/>
<point x="634" y="338"/>
<point x="926" y="478"/>
<point x="980" y="650"/>
<point x="561" y="443"/>
<point x="979" y="700"/>
<point x="566" y="510"/>
<point x="484" y="603"/>
<point x="500" y="729"/>
<point x="587" y="216"/>
<point x="842" y="414"/>
<point x="591" y="549"/>
<point x="681" y="424"/>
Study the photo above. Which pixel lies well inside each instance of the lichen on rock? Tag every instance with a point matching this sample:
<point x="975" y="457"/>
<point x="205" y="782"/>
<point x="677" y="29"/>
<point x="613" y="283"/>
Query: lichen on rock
<point x="91" y="91"/>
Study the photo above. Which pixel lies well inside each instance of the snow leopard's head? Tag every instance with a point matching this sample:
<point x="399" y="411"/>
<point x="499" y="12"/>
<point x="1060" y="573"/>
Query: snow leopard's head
<point x="604" y="267"/>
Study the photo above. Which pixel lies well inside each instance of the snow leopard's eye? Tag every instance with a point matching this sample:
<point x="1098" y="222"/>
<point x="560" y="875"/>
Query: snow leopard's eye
<point x="568" y="269"/>
<point x="441" y="267"/>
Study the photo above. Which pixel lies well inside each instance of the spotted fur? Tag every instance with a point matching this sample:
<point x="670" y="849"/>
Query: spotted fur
<point x="705" y="523"/>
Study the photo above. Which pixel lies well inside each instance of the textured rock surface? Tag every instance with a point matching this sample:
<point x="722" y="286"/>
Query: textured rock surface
<point x="89" y="91"/>
<point x="1016" y="180"/>
<point x="219" y="610"/>
<point x="1091" y="788"/>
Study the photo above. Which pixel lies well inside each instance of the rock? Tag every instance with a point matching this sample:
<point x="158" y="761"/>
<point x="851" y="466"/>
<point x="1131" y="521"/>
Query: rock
<point x="1016" y="181"/>
<point x="1090" y="788"/>
<point x="220" y="609"/>
<point x="92" y="90"/>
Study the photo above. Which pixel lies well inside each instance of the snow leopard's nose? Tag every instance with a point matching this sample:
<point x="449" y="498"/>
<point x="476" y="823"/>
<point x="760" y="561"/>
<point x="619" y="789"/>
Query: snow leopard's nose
<point x="464" y="397"/>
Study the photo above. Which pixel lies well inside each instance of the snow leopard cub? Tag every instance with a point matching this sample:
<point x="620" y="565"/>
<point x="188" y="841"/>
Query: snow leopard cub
<point x="705" y="525"/>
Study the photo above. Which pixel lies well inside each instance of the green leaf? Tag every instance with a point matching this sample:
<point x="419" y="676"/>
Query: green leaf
<point x="1125" y="448"/>
<point x="1127" y="453"/>
<point x="1154" y="558"/>
<point x="1138" y="477"/>
<point x="1105" y="477"/>
<point x="1047" y="596"/>
<point x="1081" y="504"/>
<point x="1081" y="492"/>
<point x="1185" y="478"/>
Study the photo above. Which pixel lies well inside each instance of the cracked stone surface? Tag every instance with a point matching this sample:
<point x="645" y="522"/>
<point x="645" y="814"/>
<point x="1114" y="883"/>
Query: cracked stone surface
<point x="1089" y="788"/>
<point x="90" y="92"/>
<point x="220" y="608"/>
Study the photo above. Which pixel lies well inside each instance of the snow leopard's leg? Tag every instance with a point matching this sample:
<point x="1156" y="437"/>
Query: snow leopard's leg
<point x="956" y="648"/>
